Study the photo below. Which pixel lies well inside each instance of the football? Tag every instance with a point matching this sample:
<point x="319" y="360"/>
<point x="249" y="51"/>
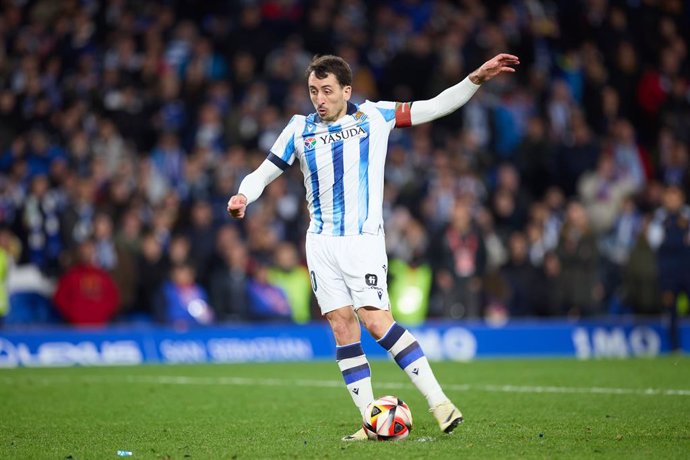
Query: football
<point x="387" y="419"/>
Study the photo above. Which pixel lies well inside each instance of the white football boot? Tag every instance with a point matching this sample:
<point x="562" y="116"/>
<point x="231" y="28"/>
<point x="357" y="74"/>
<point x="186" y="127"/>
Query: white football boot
<point x="447" y="415"/>
<point x="359" y="435"/>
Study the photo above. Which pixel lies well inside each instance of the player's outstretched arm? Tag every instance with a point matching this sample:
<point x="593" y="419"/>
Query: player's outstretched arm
<point x="456" y="96"/>
<point x="251" y="188"/>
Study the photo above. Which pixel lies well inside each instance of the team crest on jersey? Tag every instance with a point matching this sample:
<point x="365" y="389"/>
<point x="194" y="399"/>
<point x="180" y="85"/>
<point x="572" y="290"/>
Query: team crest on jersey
<point x="309" y="143"/>
<point x="360" y="116"/>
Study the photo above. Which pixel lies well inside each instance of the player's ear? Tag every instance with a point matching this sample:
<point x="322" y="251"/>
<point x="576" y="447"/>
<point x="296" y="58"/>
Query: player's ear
<point x="347" y="92"/>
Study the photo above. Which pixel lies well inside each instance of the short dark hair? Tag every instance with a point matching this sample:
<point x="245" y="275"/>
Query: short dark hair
<point x="323" y="65"/>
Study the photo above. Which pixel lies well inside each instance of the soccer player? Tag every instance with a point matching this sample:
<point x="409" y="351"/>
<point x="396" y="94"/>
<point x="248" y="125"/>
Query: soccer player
<point x="341" y="150"/>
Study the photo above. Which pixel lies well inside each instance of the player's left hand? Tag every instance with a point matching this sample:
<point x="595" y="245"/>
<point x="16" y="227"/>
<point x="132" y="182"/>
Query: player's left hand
<point x="498" y="64"/>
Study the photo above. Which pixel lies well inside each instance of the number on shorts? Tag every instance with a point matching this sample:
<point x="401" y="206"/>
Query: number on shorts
<point x="313" y="280"/>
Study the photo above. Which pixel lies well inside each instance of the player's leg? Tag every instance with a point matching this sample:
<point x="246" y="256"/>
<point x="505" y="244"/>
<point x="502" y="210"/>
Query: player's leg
<point x="351" y="359"/>
<point x="405" y="350"/>
<point x="364" y="270"/>
<point x="335" y="302"/>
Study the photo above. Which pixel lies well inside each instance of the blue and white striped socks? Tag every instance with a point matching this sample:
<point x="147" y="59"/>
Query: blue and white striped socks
<point x="403" y="347"/>
<point x="357" y="374"/>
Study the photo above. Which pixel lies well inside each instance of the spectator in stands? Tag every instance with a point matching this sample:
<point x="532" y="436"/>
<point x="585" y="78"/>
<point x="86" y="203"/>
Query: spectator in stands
<point x="42" y="154"/>
<point x="669" y="234"/>
<point x="14" y="152"/>
<point x="152" y="269"/>
<point x="31" y="294"/>
<point x="182" y="302"/>
<point x="630" y="159"/>
<point x="179" y="250"/>
<point x="209" y="130"/>
<point x="508" y="179"/>
<point x="602" y="192"/>
<point x="106" y="253"/>
<point x="561" y="107"/>
<point x="553" y="217"/>
<point x="86" y="294"/>
<point x="640" y="275"/>
<point x="267" y="301"/>
<point x="210" y="63"/>
<point x="168" y="159"/>
<point x="196" y="186"/>
<point x="535" y="240"/>
<point x="76" y="221"/>
<point x="496" y="252"/>
<point x="441" y="195"/>
<point x="653" y="87"/>
<point x="410" y="275"/>
<point x="550" y="298"/>
<point x="624" y="75"/>
<point x="228" y="284"/>
<point x="163" y="223"/>
<point x="128" y="247"/>
<point x="522" y="277"/>
<point x="115" y="197"/>
<point x="507" y="218"/>
<point x="579" y="257"/>
<point x="293" y="278"/>
<point x="9" y="251"/>
<point x="9" y="119"/>
<point x="674" y="161"/>
<point x="576" y="155"/>
<point x="458" y="257"/>
<point x="535" y="158"/>
<point x="39" y="226"/>
<point x="616" y="247"/>
<point x="201" y="234"/>
<point x="109" y="146"/>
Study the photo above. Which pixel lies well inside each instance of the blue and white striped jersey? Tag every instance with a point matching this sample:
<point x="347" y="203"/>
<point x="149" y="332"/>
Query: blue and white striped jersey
<point x="343" y="164"/>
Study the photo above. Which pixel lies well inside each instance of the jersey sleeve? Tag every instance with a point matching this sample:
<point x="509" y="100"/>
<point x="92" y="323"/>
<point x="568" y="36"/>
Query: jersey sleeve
<point x="282" y="154"/>
<point x="394" y="113"/>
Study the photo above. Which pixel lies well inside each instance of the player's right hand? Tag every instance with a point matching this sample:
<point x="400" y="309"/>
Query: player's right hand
<point x="237" y="204"/>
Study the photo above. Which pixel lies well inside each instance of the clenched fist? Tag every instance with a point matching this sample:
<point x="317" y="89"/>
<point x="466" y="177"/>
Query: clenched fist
<point x="237" y="205"/>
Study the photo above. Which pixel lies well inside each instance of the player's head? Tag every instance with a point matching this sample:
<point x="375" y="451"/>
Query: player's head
<point x="329" y="79"/>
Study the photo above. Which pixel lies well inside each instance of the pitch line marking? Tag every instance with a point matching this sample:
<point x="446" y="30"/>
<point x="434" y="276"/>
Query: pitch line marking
<point x="246" y="381"/>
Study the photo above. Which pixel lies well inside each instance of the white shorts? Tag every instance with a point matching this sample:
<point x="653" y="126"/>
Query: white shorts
<point x="348" y="271"/>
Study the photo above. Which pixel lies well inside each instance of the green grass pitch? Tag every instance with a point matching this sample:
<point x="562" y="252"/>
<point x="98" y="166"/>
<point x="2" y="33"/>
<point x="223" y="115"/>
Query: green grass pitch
<point x="636" y="408"/>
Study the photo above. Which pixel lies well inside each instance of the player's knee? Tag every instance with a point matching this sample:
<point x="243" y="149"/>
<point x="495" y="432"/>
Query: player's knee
<point x="341" y="330"/>
<point x="377" y="322"/>
<point x="345" y="327"/>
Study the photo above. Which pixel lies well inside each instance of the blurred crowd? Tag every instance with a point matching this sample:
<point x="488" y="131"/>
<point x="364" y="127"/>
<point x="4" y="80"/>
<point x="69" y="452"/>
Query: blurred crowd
<point x="126" y="125"/>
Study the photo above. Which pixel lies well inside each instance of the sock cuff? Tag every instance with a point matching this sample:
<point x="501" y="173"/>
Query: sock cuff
<point x="394" y="333"/>
<point x="351" y="350"/>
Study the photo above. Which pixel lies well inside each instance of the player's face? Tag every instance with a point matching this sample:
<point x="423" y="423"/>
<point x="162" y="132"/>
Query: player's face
<point x="329" y="98"/>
